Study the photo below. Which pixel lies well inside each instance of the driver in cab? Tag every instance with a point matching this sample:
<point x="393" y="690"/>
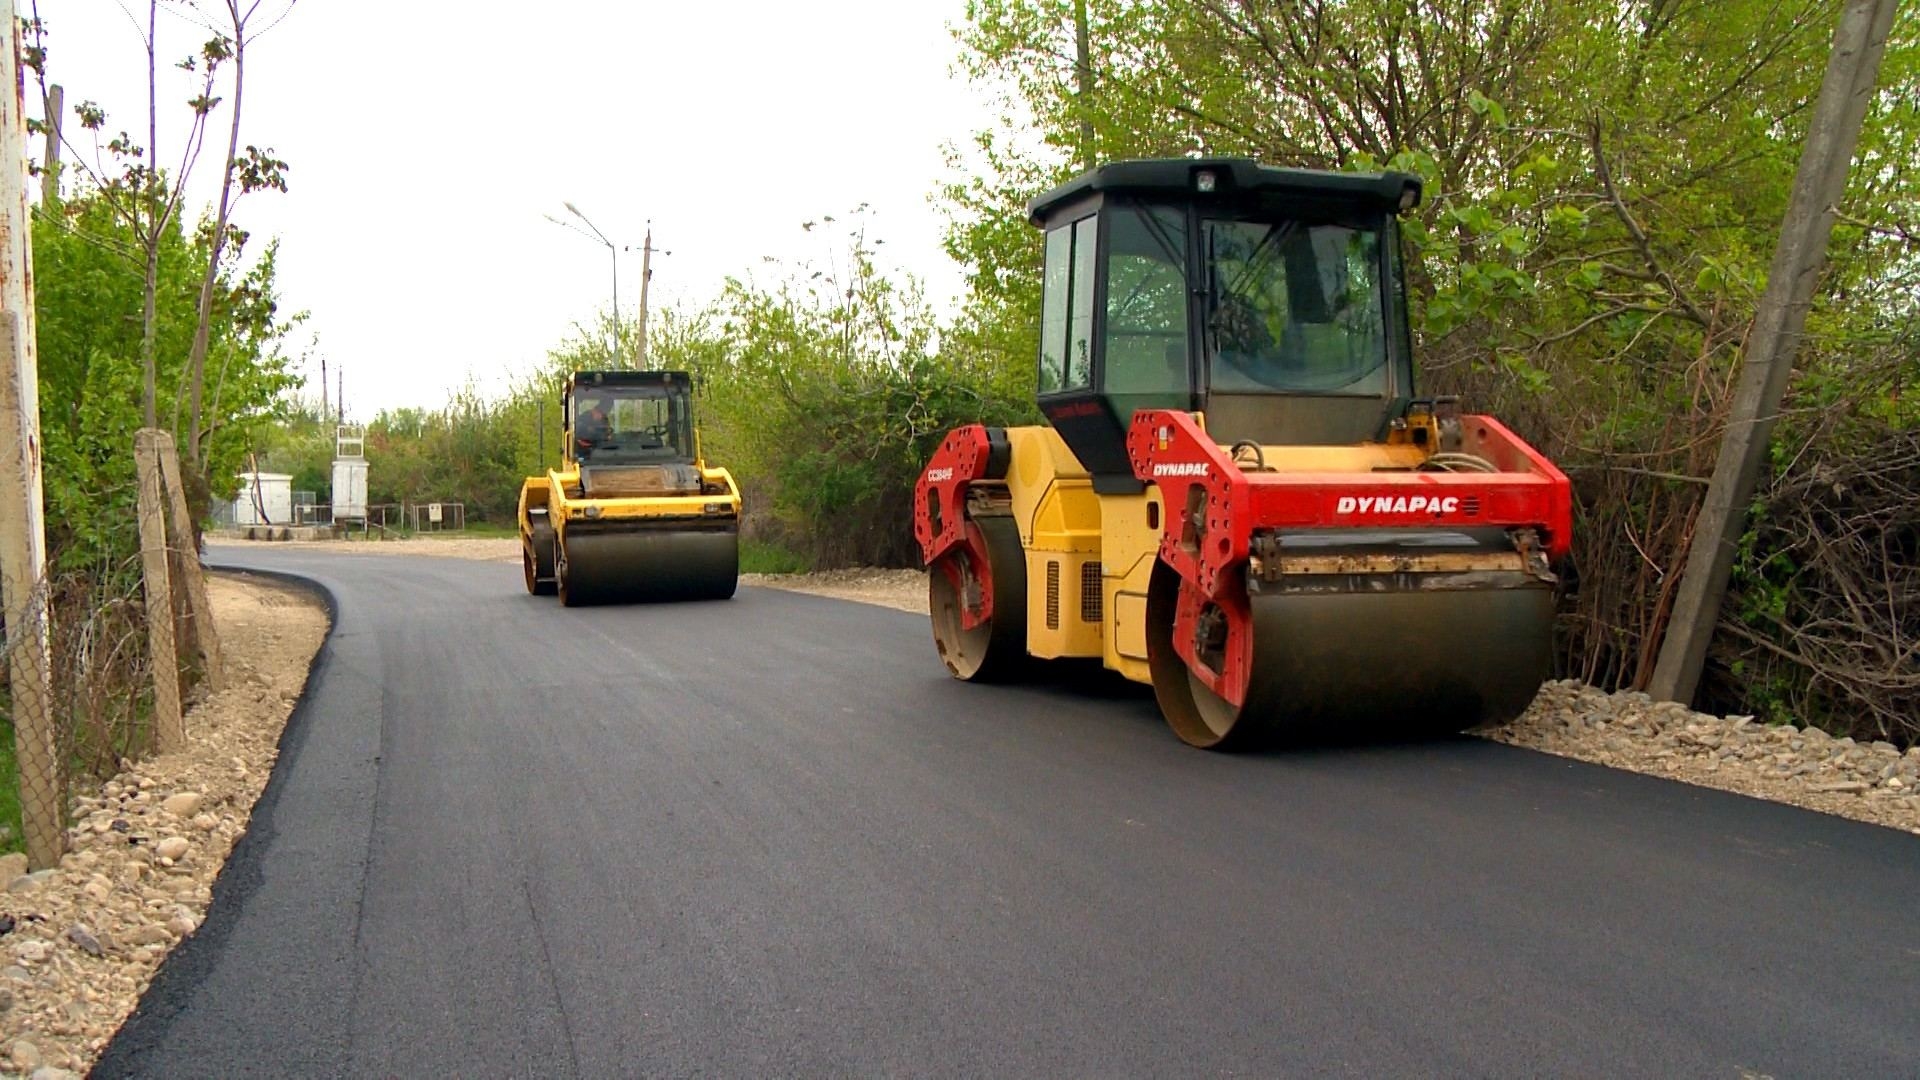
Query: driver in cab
<point x="593" y="425"/>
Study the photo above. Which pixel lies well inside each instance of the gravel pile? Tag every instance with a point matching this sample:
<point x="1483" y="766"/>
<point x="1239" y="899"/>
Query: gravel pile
<point x="1804" y="766"/>
<point x="902" y="590"/>
<point x="79" y="942"/>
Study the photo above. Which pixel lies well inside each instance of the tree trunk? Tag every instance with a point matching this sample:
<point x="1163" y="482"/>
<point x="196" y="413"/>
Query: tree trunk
<point x="152" y="282"/>
<point x="147" y="321"/>
<point x="1083" y="82"/>
<point x="202" y="330"/>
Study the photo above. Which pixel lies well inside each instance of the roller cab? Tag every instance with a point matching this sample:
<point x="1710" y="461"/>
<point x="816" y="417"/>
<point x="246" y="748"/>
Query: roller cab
<point x="1239" y="496"/>
<point x="633" y="512"/>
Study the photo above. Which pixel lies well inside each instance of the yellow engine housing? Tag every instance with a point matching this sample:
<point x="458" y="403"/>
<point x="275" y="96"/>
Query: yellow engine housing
<point x="1090" y="556"/>
<point x="559" y="494"/>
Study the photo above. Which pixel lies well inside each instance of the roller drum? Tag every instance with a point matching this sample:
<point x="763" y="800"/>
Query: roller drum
<point x="648" y="564"/>
<point x="536" y="557"/>
<point x="1367" y="663"/>
<point x="997" y="648"/>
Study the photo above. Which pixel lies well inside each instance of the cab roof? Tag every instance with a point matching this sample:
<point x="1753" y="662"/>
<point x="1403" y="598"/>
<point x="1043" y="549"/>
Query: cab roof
<point x="1233" y="180"/>
<point x="669" y="379"/>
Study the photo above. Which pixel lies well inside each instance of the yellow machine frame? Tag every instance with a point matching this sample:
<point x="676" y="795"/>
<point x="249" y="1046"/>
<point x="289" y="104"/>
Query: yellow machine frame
<point x="1090" y="556"/>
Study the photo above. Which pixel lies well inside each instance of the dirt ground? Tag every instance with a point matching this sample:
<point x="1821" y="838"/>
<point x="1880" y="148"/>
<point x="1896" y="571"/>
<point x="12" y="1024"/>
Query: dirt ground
<point x="481" y="548"/>
<point x="904" y="590"/>
<point x="81" y="941"/>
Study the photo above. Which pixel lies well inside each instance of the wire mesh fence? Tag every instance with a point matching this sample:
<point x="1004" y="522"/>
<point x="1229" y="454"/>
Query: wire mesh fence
<point x="312" y="514"/>
<point x="378" y="518"/>
<point x="92" y="664"/>
<point x="100" y="679"/>
<point x="33" y="789"/>
<point x="437" y="517"/>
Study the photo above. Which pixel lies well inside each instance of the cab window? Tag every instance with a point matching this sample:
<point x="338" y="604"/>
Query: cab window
<point x="1146" y="324"/>
<point x="1066" y="307"/>
<point x="1295" y="307"/>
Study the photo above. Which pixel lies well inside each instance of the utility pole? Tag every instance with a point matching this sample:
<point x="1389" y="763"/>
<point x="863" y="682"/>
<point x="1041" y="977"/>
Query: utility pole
<point x="1083" y="81"/>
<point x="50" y="160"/>
<point x="647" y="252"/>
<point x="1821" y="181"/>
<point x="340" y="396"/>
<point x="646" y="275"/>
<point x="325" y="409"/>
<point x="23" y="535"/>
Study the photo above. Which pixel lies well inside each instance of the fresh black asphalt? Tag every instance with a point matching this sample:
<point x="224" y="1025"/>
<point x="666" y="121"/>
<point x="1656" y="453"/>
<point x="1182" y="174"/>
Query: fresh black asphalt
<point x="770" y="837"/>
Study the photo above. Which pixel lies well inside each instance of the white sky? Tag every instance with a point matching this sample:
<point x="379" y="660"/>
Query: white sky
<point x="428" y="138"/>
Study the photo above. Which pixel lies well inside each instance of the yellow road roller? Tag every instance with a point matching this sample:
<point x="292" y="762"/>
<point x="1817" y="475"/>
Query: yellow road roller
<point x="1239" y="496"/>
<point x="633" y="512"/>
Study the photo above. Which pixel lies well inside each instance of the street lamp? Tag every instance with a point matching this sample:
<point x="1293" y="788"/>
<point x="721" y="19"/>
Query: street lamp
<point x="612" y="250"/>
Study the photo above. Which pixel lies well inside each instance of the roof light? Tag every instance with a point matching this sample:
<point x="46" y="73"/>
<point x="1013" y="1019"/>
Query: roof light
<point x="1203" y="181"/>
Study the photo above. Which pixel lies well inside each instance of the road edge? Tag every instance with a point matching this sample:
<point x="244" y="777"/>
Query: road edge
<point x="186" y="966"/>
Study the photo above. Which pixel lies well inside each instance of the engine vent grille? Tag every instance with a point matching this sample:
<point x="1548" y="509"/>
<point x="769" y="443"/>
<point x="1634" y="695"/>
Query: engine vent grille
<point x="1053" y="594"/>
<point x="1470" y="506"/>
<point x="1090" y="592"/>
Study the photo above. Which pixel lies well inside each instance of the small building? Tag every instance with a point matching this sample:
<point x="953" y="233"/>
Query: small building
<point x="350" y="473"/>
<point x="264" y="499"/>
<point x="349" y="489"/>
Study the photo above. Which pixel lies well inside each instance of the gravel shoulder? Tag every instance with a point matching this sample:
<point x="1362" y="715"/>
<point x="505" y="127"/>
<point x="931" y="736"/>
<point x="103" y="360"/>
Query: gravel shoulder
<point x="902" y="590"/>
<point x="1805" y="767"/>
<point x="81" y="941"/>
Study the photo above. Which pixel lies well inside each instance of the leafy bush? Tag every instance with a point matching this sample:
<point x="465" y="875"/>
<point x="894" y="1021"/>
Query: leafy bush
<point x="825" y="396"/>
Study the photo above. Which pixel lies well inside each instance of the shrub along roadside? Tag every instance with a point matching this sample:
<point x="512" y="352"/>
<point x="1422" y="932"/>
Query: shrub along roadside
<point x="823" y="393"/>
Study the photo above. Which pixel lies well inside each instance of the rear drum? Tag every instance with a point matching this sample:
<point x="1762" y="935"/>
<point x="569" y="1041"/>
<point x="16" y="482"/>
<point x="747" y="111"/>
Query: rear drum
<point x="996" y="648"/>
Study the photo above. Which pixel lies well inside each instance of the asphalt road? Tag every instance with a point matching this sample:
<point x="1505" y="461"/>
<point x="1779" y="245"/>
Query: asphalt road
<point x="769" y="837"/>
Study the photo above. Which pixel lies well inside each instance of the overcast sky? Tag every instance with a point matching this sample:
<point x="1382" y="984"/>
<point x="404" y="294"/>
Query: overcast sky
<point x="428" y="138"/>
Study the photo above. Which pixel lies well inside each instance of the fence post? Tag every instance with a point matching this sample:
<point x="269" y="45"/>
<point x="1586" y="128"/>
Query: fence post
<point x="23" y="541"/>
<point x="169" y="727"/>
<point x="204" y="636"/>
<point x="28" y="618"/>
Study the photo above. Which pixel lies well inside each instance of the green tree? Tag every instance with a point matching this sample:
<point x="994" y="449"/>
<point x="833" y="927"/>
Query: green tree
<point x="91" y="371"/>
<point x="254" y="169"/>
<point x="1604" y="185"/>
